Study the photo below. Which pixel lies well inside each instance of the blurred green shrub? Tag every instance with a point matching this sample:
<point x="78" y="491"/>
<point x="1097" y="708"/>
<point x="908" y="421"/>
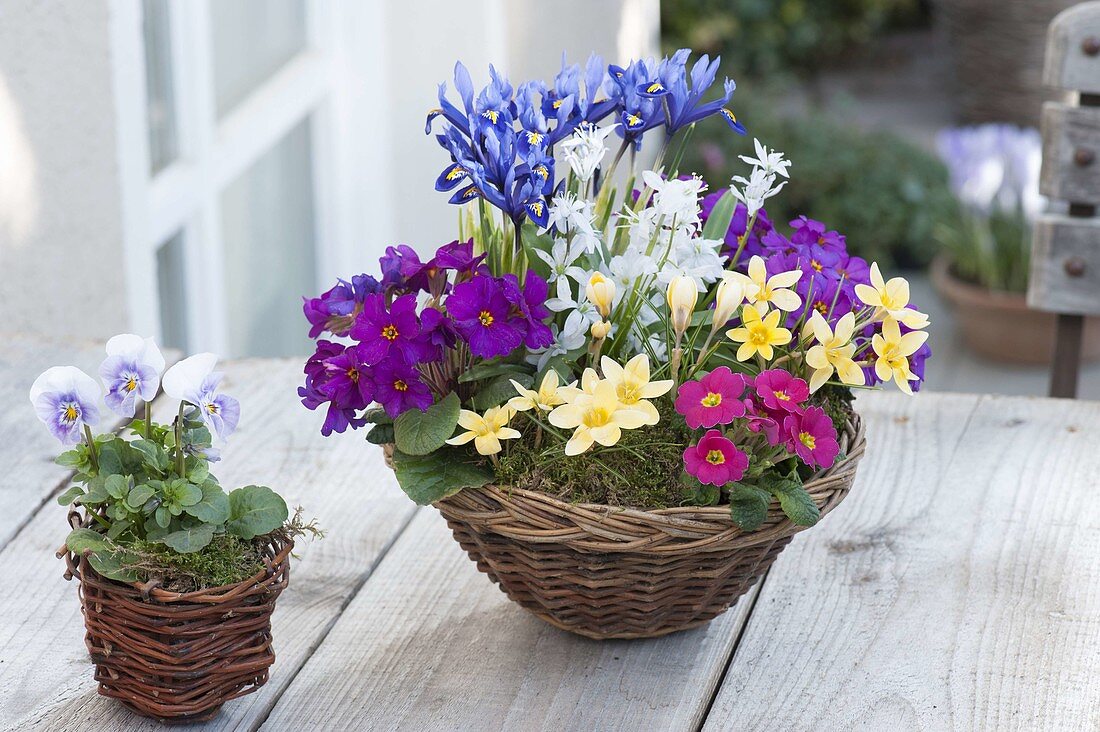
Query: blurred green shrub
<point x="884" y="193"/>
<point x="763" y="37"/>
<point x="991" y="251"/>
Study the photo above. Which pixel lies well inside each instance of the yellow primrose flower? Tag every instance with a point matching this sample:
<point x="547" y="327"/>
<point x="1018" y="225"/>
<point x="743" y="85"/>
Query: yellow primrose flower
<point x="596" y="417"/>
<point x="758" y="335"/>
<point x="633" y="387"/>
<point x="761" y="290"/>
<point x="487" y="431"/>
<point x="893" y="350"/>
<point x="833" y="351"/>
<point x="546" y="398"/>
<point x="600" y="291"/>
<point x="890" y="299"/>
<point x="682" y="295"/>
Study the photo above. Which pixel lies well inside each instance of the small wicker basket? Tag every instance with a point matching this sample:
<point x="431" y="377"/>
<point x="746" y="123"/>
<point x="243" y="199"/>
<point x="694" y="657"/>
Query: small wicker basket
<point x="606" y="572"/>
<point x="176" y="656"/>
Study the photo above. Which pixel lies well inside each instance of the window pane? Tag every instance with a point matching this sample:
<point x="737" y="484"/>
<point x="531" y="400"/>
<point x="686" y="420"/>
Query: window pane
<point x="172" y="287"/>
<point x="268" y="236"/>
<point x="161" y="109"/>
<point x="252" y="40"/>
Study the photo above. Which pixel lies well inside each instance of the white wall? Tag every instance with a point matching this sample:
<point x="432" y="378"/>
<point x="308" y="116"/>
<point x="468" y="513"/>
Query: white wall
<point x="61" y="267"/>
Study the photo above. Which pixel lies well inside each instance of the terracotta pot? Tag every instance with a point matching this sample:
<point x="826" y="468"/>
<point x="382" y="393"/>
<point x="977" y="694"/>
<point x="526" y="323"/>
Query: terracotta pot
<point x="1000" y="325"/>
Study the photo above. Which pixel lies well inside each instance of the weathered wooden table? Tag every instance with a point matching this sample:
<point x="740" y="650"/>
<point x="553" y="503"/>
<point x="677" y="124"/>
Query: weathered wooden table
<point x="957" y="587"/>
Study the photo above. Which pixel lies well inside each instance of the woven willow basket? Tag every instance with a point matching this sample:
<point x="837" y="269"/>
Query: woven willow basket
<point x="606" y="572"/>
<point x="175" y="656"/>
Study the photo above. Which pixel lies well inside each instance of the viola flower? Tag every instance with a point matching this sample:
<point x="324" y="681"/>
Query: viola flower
<point x="487" y="431"/>
<point x="384" y="332"/>
<point x="399" y="388"/>
<point x="713" y="399"/>
<point x="335" y="310"/>
<point x="319" y="390"/>
<point x="633" y="387"/>
<point x="758" y="335"/>
<point x="779" y="391"/>
<point x="131" y="370"/>
<point x="596" y="417"/>
<point x="530" y="299"/>
<point x="812" y="437"/>
<point x="194" y="381"/>
<point x="715" y="460"/>
<point x="762" y="290"/>
<point x="833" y="352"/>
<point x="65" y="400"/>
<point x="890" y="299"/>
<point x="893" y="350"/>
<point x="485" y="318"/>
<point x="546" y="398"/>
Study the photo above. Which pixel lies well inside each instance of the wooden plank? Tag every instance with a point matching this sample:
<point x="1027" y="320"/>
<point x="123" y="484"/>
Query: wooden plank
<point x="955" y="589"/>
<point x="431" y="644"/>
<point x="46" y="677"/>
<point x="1065" y="265"/>
<point x="1069" y="62"/>
<point x="1071" y="153"/>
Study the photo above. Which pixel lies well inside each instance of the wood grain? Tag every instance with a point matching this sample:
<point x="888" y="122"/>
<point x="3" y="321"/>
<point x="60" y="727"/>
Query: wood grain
<point x="956" y="588"/>
<point x="431" y="644"/>
<point x="46" y="677"/>
<point x="1063" y="245"/>
<point x="1066" y="65"/>
<point x="1071" y="154"/>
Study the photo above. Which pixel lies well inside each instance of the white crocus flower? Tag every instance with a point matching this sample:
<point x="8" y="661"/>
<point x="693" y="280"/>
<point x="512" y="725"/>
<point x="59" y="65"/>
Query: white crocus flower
<point x="757" y="188"/>
<point x="585" y="149"/>
<point x="560" y="261"/>
<point x="770" y="161"/>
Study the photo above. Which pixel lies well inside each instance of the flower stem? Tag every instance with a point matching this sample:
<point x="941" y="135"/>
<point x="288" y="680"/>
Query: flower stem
<point x="91" y="448"/>
<point x="148" y="421"/>
<point x="179" y="441"/>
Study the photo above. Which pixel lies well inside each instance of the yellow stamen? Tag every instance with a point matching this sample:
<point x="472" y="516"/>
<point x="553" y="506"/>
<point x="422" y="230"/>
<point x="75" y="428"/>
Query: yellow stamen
<point x="131" y="384"/>
<point x="807" y="439"/>
<point x="71" y="413"/>
<point x="782" y="396"/>
<point x="486" y="318"/>
<point x="400" y="385"/>
<point x="712" y="399"/>
<point x="390" y="332"/>
<point x="716" y="457"/>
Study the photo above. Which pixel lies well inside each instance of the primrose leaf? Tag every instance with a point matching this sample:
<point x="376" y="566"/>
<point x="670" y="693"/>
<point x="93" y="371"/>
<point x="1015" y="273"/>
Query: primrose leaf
<point x="748" y="505"/>
<point x="213" y="508"/>
<point x="794" y="500"/>
<point x="419" y="433"/>
<point x="429" y="478"/>
<point x="499" y="391"/>
<point x="189" y="540"/>
<point x="489" y="369"/>
<point x="380" y="434"/>
<point x="254" y="511"/>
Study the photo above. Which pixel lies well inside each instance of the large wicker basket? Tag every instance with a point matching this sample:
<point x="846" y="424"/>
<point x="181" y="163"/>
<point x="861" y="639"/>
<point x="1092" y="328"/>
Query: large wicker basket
<point x="606" y="572"/>
<point x="175" y="656"/>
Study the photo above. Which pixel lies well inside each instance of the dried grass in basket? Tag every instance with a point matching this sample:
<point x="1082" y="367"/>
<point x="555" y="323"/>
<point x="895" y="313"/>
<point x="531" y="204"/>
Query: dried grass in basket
<point x="179" y="656"/>
<point x="606" y="572"/>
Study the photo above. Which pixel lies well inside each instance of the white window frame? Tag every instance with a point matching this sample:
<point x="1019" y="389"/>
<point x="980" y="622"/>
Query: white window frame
<point x="212" y="153"/>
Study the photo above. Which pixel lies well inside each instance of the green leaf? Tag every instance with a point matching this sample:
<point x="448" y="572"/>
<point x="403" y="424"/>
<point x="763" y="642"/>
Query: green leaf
<point x="105" y="557"/>
<point x="748" y="505"/>
<point x="489" y="369"/>
<point x="151" y="453"/>
<point x="720" y="216"/>
<point x="163" y="516"/>
<point x="118" y="528"/>
<point x="254" y="511"/>
<point x="380" y="434"/>
<point x="419" y="433"/>
<point x="138" y="496"/>
<point x="213" y="508"/>
<point x="110" y="460"/>
<point x="377" y="415"/>
<point x="189" y="540"/>
<point x="429" y="478"/>
<point x="117" y="486"/>
<point x="70" y="495"/>
<point x="97" y="493"/>
<point x="499" y="391"/>
<point x="198" y="469"/>
<point x="73" y="458"/>
<point x="794" y="500"/>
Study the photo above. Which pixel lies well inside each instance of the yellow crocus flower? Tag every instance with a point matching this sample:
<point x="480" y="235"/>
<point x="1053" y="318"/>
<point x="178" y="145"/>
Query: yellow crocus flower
<point x="682" y="296"/>
<point x="758" y="335"/>
<point x="589" y="379"/>
<point x="487" y="431"/>
<point x="596" y="417"/>
<point x="890" y="299"/>
<point x="762" y="291"/>
<point x="600" y="291"/>
<point x="545" y="399"/>
<point x="833" y="352"/>
<point x="893" y="350"/>
<point x="633" y="387"/>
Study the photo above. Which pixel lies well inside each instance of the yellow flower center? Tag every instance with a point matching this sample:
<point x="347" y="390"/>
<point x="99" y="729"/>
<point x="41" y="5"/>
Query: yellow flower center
<point x="712" y="399"/>
<point x="807" y="439"/>
<point x="390" y="332"/>
<point x="491" y="114"/>
<point x="597" y="417"/>
<point x="400" y="385"/>
<point x="212" y="408"/>
<point x="782" y="396"/>
<point x="486" y="318"/>
<point x="71" y="413"/>
<point x="758" y="336"/>
<point x="816" y="265"/>
<point x="822" y="307"/>
<point x="716" y="457"/>
<point x="353" y="374"/>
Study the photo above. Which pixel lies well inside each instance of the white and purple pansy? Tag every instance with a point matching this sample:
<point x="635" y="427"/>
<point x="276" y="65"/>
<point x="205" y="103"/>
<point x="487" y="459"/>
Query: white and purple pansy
<point x="131" y="370"/>
<point x="66" y="400"/>
<point x="194" y="381"/>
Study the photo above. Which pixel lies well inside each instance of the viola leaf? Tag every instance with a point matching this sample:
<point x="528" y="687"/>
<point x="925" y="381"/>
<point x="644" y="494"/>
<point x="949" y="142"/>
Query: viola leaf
<point x="254" y="511"/>
<point x="430" y="478"/>
<point x="138" y="496"/>
<point x="106" y="557"/>
<point x="213" y="507"/>
<point x="70" y="495"/>
<point x="419" y="433"/>
<point x="189" y="540"/>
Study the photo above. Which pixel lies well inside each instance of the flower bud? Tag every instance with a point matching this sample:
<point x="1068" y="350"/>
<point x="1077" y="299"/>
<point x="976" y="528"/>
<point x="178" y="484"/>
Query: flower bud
<point x="600" y="329"/>
<point x="682" y="296"/>
<point x="600" y="292"/>
<point x="730" y="295"/>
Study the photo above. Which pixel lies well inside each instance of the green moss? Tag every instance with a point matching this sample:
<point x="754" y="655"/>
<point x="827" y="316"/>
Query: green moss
<point x="225" y="560"/>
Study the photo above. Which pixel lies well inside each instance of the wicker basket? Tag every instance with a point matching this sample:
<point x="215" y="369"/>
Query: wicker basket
<point x="175" y="656"/>
<point x="606" y="572"/>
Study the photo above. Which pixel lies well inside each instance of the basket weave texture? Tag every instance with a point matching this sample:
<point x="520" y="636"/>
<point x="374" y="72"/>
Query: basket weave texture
<point x="606" y="572"/>
<point x="175" y="656"/>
